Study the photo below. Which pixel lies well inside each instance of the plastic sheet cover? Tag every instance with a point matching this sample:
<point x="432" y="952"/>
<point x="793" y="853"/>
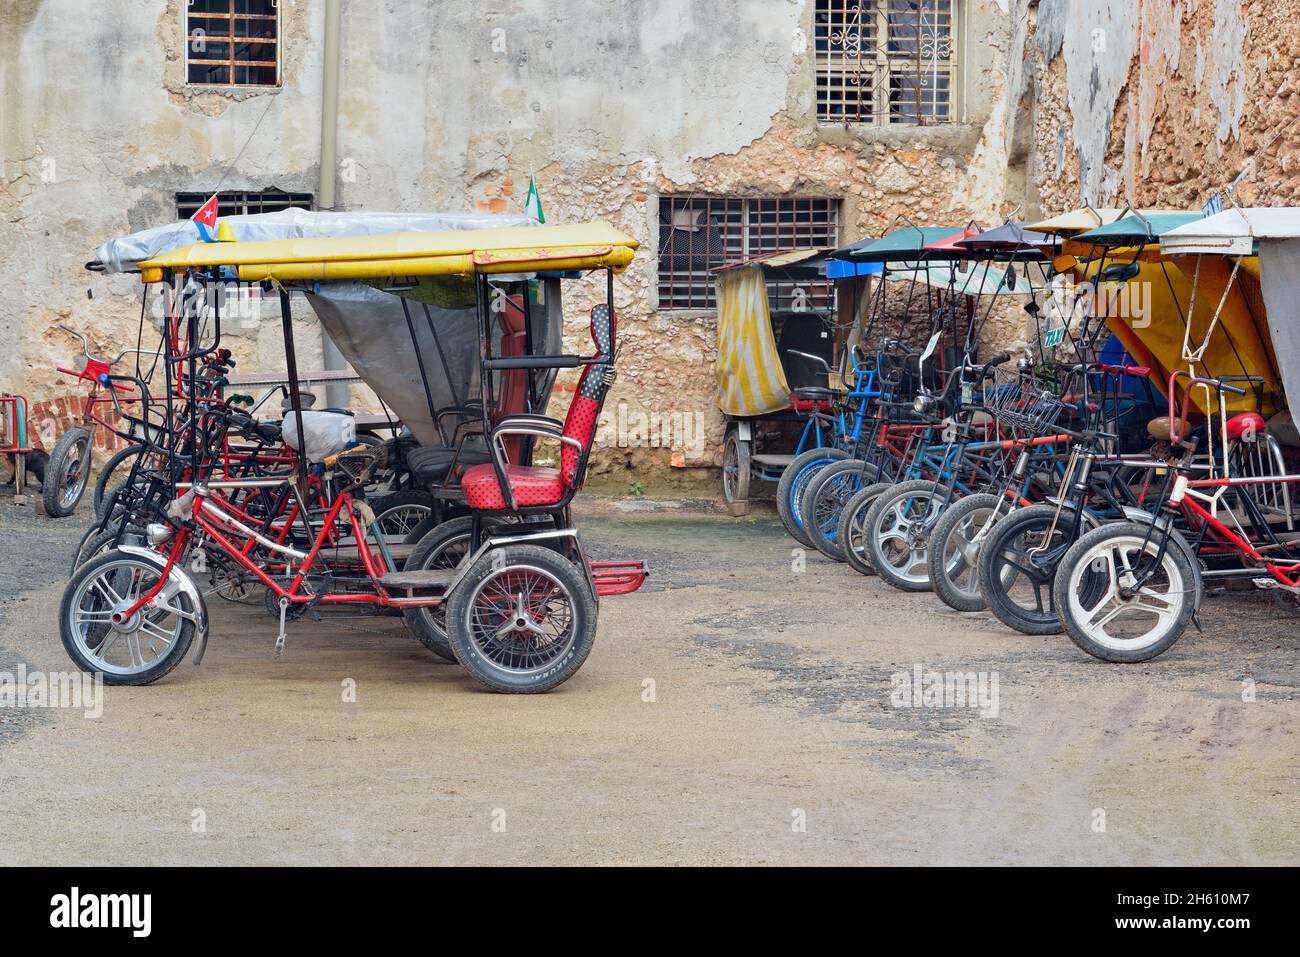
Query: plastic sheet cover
<point x="123" y="253"/>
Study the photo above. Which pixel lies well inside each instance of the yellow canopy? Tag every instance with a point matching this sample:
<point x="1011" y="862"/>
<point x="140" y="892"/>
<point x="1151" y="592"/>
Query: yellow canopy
<point x="1077" y="221"/>
<point x="1148" y="318"/>
<point x="385" y="255"/>
<point x="748" y="369"/>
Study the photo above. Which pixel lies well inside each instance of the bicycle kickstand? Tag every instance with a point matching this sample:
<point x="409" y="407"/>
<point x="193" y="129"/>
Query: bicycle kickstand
<point x="279" y="641"/>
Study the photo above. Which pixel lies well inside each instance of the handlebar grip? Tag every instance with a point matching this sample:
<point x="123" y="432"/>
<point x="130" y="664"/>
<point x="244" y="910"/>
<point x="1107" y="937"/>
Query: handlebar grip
<point x="1235" y="390"/>
<point x="998" y="360"/>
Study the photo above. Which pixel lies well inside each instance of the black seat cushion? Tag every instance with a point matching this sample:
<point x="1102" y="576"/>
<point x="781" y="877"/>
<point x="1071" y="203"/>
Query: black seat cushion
<point x="815" y="393"/>
<point x="429" y="464"/>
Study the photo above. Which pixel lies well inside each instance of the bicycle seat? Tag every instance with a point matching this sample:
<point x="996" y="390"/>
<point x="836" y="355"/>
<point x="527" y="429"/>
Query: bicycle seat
<point x="1158" y="428"/>
<point x="817" y="394"/>
<point x="429" y="464"/>
<point x="1245" y="424"/>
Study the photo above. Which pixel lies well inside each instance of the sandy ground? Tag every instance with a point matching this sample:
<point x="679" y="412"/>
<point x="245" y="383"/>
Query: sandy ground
<point x="770" y="707"/>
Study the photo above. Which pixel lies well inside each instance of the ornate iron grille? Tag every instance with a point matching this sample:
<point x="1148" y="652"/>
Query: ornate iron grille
<point x="886" y="61"/>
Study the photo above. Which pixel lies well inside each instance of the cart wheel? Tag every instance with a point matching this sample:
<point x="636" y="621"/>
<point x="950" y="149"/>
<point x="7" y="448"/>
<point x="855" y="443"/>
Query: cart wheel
<point x="735" y="472"/>
<point x="443" y="547"/>
<point x="66" y="473"/>
<point x="398" y="513"/>
<point x="522" y="620"/>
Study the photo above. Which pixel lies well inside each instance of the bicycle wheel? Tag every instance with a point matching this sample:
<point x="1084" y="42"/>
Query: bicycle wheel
<point x="114" y="473"/>
<point x="851" y="532"/>
<point x="825" y="497"/>
<point x="1018" y="562"/>
<point x="134" y="650"/>
<point x="954" y="550"/>
<point x="897" y="532"/>
<point x="1145" y="600"/>
<point x="66" y="473"/>
<point x="398" y="513"/>
<point x="795" y="478"/>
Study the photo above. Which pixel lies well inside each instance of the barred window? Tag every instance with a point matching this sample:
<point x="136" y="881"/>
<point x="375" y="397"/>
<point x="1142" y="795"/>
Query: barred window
<point x="886" y="61"/>
<point x="232" y="42"/>
<point x="699" y="233"/>
<point x="239" y="203"/>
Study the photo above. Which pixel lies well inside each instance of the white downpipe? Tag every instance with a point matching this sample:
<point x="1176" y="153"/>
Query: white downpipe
<point x="336" y="395"/>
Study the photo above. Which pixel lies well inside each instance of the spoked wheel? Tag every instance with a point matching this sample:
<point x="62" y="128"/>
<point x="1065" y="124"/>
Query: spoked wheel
<point x="523" y="619"/>
<point x="735" y="469"/>
<point x="1018" y="564"/>
<point x="1144" y="601"/>
<point x="398" y="513"/>
<point x="954" y="550"/>
<point x="115" y="474"/>
<point x="897" y="532"/>
<point x="99" y="636"/>
<point x="794" y="480"/>
<point x="67" y="473"/>
<point x="443" y="547"/>
<point x="851" y="532"/>
<point x="825" y="497"/>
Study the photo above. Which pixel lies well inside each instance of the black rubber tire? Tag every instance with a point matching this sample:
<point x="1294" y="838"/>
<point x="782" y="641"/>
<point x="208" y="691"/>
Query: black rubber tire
<point x="994" y="584"/>
<point x="849" y="532"/>
<point x="104" y="481"/>
<point x="403" y="498"/>
<point x="104" y="541"/>
<point x="582" y="603"/>
<point x="429" y="624"/>
<point x="980" y="508"/>
<point x="794" y="480"/>
<point x="160" y="668"/>
<point x="1061" y="587"/>
<point x="930" y="492"/>
<point x="735" y="471"/>
<point x="825" y="497"/>
<point x="70" y="461"/>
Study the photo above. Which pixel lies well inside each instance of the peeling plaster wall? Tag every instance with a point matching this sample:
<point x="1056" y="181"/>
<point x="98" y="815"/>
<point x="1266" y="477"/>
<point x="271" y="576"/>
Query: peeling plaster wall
<point x="450" y="105"/>
<point x="1183" y="95"/>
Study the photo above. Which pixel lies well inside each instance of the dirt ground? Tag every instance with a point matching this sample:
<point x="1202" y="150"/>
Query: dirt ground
<point x="735" y="711"/>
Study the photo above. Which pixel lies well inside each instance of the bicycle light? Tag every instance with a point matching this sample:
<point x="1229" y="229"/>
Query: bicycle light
<point x="156" y="533"/>
<point x="922" y="404"/>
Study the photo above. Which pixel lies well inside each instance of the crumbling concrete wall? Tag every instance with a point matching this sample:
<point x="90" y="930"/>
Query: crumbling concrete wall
<point x="451" y="105"/>
<point x="1162" y="103"/>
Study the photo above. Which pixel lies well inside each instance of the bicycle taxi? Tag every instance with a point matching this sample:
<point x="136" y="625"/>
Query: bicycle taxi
<point x="784" y="320"/>
<point x="418" y="315"/>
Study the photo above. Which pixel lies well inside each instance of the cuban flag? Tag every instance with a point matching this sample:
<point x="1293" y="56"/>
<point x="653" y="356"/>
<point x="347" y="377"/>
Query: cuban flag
<point x="206" y="220"/>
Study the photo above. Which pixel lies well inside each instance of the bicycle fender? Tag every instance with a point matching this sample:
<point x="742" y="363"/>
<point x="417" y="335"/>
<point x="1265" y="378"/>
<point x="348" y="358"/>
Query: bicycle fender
<point x="1142" y="517"/>
<point x="178" y="582"/>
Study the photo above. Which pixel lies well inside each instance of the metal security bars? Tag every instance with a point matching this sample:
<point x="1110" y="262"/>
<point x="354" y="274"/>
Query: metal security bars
<point x="699" y="233"/>
<point x="241" y="203"/>
<point x="232" y="42"/>
<point x="886" y="61"/>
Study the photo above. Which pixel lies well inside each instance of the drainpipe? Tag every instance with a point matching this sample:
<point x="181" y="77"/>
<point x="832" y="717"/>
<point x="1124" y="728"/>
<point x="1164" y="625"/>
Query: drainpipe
<point x="336" y="395"/>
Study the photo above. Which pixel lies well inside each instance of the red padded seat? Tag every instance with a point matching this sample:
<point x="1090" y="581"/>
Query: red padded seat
<point x="531" y="485"/>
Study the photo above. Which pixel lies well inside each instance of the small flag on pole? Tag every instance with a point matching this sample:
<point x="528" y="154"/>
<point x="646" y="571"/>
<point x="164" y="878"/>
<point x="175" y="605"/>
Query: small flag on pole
<point x="206" y="219"/>
<point x="533" y="202"/>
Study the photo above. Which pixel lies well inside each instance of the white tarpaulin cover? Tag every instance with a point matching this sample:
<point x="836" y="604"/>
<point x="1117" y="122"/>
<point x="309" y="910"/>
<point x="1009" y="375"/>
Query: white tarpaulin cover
<point x="118" y="255"/>
<point x="1275" y="232"/>
<point x="1232" y="232"/>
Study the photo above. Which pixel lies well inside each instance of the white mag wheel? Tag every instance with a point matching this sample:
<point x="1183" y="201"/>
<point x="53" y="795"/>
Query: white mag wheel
<point x="1120" y="598"/>
<point x="100" y="635"/>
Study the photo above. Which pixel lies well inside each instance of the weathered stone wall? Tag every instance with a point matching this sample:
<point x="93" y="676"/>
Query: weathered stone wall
<point x="1162" y="103"/>
<point x="451" y="105"/>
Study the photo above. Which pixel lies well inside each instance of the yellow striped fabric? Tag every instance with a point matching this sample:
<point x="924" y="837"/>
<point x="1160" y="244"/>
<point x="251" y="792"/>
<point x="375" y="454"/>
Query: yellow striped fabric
<point x="751" y="380"/>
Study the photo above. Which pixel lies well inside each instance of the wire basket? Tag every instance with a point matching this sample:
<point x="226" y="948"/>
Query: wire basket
<point x="1023" y="405"/>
